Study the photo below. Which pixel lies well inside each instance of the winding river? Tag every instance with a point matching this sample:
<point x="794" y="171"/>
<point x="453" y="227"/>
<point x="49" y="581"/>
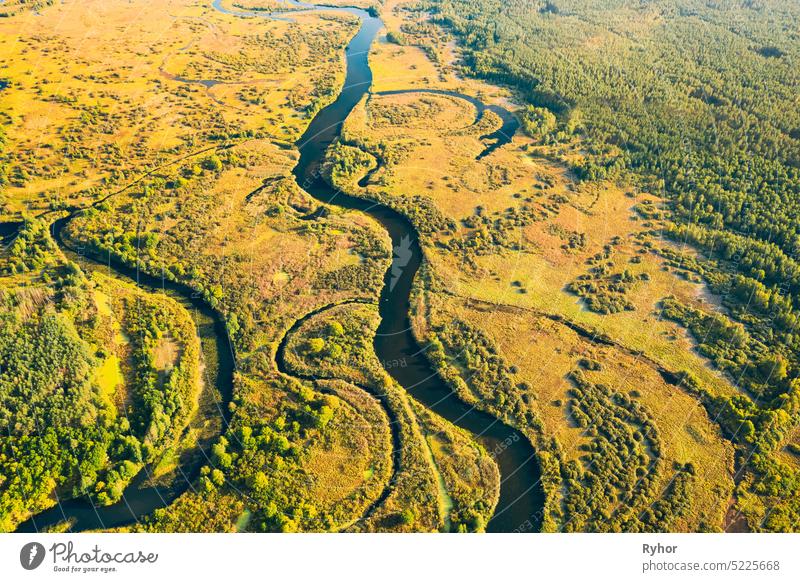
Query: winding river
<point x="521" y="496"/>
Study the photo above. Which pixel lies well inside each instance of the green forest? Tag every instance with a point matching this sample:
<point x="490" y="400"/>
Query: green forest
<point x="61" y="428"/>
<point x="694" y="101"/>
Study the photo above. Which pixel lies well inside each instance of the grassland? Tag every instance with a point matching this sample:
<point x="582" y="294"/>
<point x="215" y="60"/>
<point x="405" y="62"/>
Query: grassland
<point x="337" y="343"/>
<point x="623" y="78"/>
<point x="185" y="154"/>
<point x="558" y="293"/>
<point x="200" y="192"/>
<point x="89" y="113"/>
<point x="550" y="273"/>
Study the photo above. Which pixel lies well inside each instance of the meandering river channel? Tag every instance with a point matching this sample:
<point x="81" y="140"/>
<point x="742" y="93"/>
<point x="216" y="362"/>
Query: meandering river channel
<point x="521" y="496"/>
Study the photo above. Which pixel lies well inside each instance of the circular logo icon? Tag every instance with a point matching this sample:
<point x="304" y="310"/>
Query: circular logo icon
<point x="31" y="555"/>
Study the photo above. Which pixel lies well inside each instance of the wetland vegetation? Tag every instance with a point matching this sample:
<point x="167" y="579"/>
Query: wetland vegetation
<point x="535" y="270"/>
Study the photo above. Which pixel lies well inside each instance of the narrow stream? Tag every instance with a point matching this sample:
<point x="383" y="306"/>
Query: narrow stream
<point x="283" y="368"/>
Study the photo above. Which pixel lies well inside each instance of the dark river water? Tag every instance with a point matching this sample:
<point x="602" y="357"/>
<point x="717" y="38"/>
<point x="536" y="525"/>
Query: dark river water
<point x="521" y="496"/>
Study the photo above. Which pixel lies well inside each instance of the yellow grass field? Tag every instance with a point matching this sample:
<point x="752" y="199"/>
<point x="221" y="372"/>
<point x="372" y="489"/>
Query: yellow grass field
<point x="172" y="127"/>
<point x="523" y="231"/>
<point x="85" y="118"/>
